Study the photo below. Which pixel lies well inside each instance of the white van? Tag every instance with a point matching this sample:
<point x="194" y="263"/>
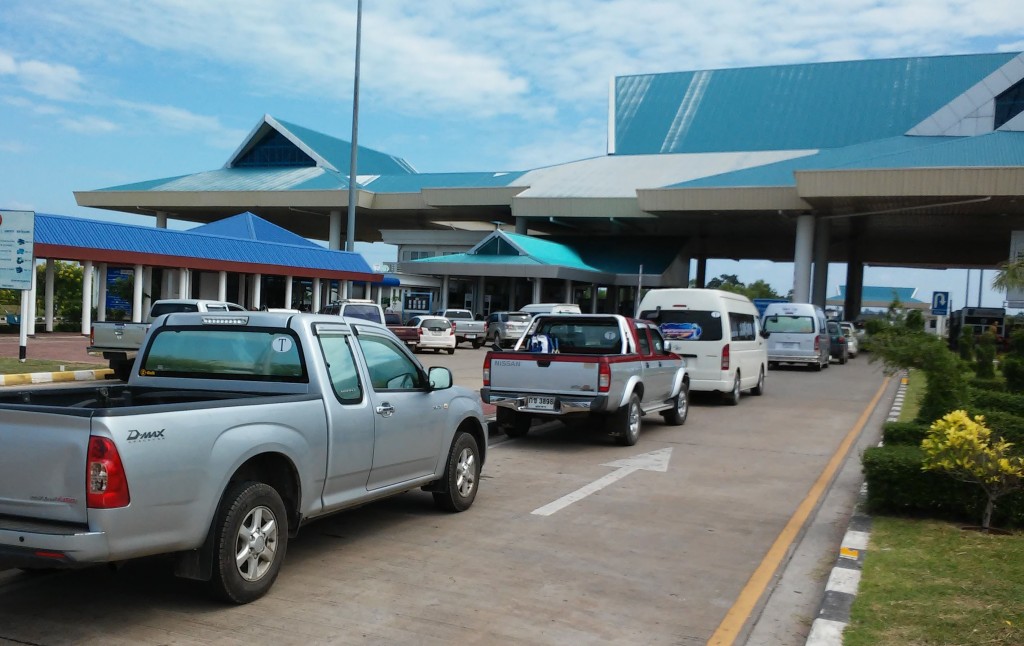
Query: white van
<point x="551" y="308"/>
<point x="797" y="333"/>
<point x="718" y="334"/>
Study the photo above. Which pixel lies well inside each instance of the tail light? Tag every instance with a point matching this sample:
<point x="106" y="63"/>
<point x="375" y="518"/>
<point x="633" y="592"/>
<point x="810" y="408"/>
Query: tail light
<point x="92" y="335"/>
<point x="487" y="370"/>
<point x="817" y="344"/>
<point x="419" y="331"/>
<point x="725" y="357"/>
<point x="842" y="339"/>
<point x="106" y="484"/>
<point x="604" y="377"/>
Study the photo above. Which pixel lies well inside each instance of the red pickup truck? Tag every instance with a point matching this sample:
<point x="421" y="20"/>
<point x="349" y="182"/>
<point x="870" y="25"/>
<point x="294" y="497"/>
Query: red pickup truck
<point x="408" y="334"/>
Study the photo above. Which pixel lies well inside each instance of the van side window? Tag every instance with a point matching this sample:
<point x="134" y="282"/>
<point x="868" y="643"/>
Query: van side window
<point x="742" y="327"/>
<point x="657" y="342"/>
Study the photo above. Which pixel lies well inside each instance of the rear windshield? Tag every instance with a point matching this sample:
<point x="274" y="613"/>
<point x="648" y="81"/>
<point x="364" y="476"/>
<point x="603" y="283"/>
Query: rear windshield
<point x="789" y="324"/>
<point x="519" y="317"/>
<point x="576" y="336"/>
<point x="686" y="325"/>
<point x="160" y="309"/>
<point x="248" y="354"/>
<point x="392" y="319"/>
<point x="365" y="312"/>
<point x="436" y="325"/>
<point x="459" y="315"/>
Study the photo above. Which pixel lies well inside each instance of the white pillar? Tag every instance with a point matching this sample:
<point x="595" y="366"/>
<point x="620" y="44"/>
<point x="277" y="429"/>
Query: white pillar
<point x="147" y="291"/>
<point x="242" y="300"/>
<point x="32" y="300"/>
<point x="48" y="294"/>
<point x="257" y="291"/>
<point x="222" y="286"/>
<point x="101" y="291"/>
<point x="316" y="295"/>
<point x="334" y="236"/>
<point x="819" y="286"/>
<point x="161" y="220"/>
<point x="137" y="295"/>
<point x="288" y="290"/>
<point x="445" y="283"/>
<point x="346" y="289"/>
<point x="86" y="297"/>
<point x="183" y="283"/>
<point x="802" y="259"/>
<point x="538" y="284"/>
<point x="568" y="291"/>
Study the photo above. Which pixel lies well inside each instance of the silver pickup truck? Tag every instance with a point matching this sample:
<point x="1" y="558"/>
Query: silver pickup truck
<point x="467" y="328"/>
<point x="570" y="366"/>
<point x="234" y="431"/>
<point x="119" y="341"/>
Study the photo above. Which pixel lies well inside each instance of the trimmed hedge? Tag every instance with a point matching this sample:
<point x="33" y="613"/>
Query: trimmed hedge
<point x="1008" y="426"/>
<point x="994" y="384"/>
<point x="897" y="485"/>
<point x="907" y="433"/>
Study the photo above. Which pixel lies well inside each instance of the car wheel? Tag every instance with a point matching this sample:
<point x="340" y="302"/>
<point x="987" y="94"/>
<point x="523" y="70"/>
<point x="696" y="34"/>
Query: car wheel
<point x="733" y="397"/>
<point x="477" y="343"/>
<point x="250" y="541"/>
<point x="512" y="423"/>
<point x="461" y="476"/>
<point x="843" y="358"/>
<point x="817" y="365"/>
<point x="498" y="340"/>
<point x="773" y="365"/>
<point x="759" y="388"/>
<point x="680" y="408"/>
<point x="451" y="350"/>
<point x="122" y="369"/>
<point x="828" y="362"/>
<point x="626" y="421"/>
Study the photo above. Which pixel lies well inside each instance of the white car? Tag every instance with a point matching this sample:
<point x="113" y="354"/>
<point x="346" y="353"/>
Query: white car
<point x="852" y="339"/>
<point x="436" y="333"/>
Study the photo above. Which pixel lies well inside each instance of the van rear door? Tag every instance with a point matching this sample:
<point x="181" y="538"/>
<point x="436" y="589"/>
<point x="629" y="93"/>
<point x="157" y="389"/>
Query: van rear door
<point x="686" y="333"/>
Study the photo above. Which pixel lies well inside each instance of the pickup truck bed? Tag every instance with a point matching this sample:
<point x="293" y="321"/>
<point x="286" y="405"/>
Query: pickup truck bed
<point x="606" y="367"/>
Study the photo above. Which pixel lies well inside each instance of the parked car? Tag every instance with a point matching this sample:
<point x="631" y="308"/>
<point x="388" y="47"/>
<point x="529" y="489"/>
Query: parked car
<point x="467" y="328"/>
<point x="797" y="334"/>
<point x="359" y="308"/>
<point x="837" y="348"/>
<point x="852" y="338"/>
<point x="408" y="334"/>
<point x="505" y="328"/>
<point x="550" y="308"/>
<point x="434" y="333"/>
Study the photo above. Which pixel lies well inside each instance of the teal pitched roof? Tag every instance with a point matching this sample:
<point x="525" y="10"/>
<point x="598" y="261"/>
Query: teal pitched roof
<point x="245" y="179"/>
<point x="338" y="153"/>
<point x="879" y="294"/>
<point x="788" y="107"/>
<point x="414" y="183"/>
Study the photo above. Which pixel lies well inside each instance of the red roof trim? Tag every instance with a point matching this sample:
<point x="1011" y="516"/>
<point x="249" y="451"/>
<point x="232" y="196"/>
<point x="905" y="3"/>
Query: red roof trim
<point x="66" y="252"/>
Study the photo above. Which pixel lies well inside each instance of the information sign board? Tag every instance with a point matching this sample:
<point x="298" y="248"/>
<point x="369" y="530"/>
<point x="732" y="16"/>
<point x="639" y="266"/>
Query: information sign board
<point x="17" y="238"/>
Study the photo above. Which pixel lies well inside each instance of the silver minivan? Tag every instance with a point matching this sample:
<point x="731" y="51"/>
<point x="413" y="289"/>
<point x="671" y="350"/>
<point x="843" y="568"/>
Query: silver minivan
<point x="797" y="333"/>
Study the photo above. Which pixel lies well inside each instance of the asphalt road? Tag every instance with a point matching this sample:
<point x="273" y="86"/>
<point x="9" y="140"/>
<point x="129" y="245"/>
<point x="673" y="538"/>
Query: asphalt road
<point x="651" y="557"/>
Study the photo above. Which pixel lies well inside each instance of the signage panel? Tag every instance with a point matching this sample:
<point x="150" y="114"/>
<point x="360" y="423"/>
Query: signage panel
<point x="940" y="303"/>
<point x="17" y="238"/>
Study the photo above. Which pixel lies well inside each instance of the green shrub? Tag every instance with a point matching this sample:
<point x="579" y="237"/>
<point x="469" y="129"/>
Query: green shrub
<point x="1012" y="367"/>
<point x="995" y="383"/>
<point x="945" y="382"/>
<point x="965" y="345"/>
<point x="898" y="485"/>
<point x="875" y="326"/>
<point x="909" y="433"/>
<point x="1008" y="426"/>
<point x="995" y="401"/>
<point x="985" y="356"/>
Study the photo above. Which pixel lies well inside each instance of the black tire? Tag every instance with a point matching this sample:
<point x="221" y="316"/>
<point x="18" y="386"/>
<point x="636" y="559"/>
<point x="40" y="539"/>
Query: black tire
<point x="461" y="476"/>
<point x="251" y="518"/>
<point x="477" y="343"/>
<point x="733" y="396"/>
<point x="680" y="409"/>
<point x="828" y="363"/>
<point x="843" y="358"/>
<point x="451" y="350"/>
<point x="122" y="368"/>
<point x="513" y="423"/>
<point x="626" y="421"/>
<point x="817" y="366"/>
<point x="759" y="388"/>
<point x="772" y="365"/>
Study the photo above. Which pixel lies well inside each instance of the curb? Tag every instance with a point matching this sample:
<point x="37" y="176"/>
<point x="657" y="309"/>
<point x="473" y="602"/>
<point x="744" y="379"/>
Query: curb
<point x="54" y="377"/>
<point x="841" y="588"/>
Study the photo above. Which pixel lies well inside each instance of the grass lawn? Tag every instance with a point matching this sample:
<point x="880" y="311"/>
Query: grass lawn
<point x="928" y="582"/>
<point x="9" y="366"/>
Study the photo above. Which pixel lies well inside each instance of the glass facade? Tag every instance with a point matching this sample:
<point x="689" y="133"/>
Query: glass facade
<point x="274" y="150"/>
<point x="1009" y="104"/>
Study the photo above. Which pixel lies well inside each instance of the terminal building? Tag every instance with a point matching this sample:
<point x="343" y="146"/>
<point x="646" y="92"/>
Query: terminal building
<point x="915" y="162"/>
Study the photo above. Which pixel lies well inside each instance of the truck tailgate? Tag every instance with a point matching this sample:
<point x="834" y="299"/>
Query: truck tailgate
<point x="42" y="465"/>
<point x="544" y="373"/>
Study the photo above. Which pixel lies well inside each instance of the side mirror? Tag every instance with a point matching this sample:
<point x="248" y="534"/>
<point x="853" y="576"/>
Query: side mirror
<point x="765" y="333"/>
<point x="440" y="378"/>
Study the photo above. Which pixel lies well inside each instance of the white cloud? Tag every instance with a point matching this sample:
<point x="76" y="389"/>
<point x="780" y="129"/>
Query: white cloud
<point x="89" y="125"/>
<point x="50" y="80"/>
<point x="12" y="147"/>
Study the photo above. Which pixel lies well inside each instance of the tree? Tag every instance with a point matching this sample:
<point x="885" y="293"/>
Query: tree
<point x="731" y="283"/>
<point x="1010" y="275"/>
<point x="963" y="448"/>
<point x="67" y="290"/>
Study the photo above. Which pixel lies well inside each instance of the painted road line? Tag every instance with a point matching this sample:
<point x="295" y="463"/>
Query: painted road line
<point x="653" y="461"/>
<point x="737" y="616"/>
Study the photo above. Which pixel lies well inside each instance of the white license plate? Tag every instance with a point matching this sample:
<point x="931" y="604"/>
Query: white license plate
<point x="541" y="403"/>
<point x="435" y="333"/>
<point x="470" y="336"/>
<point x="790" y="346"/>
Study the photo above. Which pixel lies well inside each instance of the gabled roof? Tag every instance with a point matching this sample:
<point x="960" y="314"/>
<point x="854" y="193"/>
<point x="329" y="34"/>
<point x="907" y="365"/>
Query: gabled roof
<point x="73" y="238"/>
<point x="788" y="107"/>
<point x="246" y="226"/>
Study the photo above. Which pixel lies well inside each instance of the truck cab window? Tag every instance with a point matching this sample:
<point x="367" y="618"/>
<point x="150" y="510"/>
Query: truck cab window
<point x="342" y="368"/>
<point x="389" y="367"/>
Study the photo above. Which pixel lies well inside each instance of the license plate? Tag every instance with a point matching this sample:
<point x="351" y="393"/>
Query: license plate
<point x="790" y="346"/>
<point x="541" y="403"/>
<point x="470" y="336"/>
<point x="435" y="333"/>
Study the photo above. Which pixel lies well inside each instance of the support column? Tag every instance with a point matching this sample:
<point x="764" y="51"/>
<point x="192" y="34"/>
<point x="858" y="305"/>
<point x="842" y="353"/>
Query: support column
<point x="334" y="234"/>
<point x="137" y="295"/>
<point x="86" y="297"/>
<point x="242" y="300"/>
<point x="288" y="280"/>
<point x="161" y="219"/>
<point x="445" y="285"/>
<point x="257" y="291"/>
<point x="538" y="289"/>
<point x="147" y="291"/>
<point x="819" y="287"/>
<point x="702" y="272"/>
<point x="48" y="294"/>
<point x="183" y="283"/>
<point x="346" y="289"/>
<point x="802" y="259"/>
<point x="316" y="295"/>
<point x="521" y="226"/>
<point x="101" y="288"/>
<point x="685" y="265"/>
<point x="854" y="284"/>
<point x="32" y="300"/>
<point x="481" y="285"/>
<point x="593" y="298"/>
<point x="222" y="286"/>
<point x="568" y="292"/>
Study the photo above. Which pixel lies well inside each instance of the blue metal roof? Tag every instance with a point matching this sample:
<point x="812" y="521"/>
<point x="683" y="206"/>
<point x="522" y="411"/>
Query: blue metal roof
<point x="245" y="179"/>
<point x="414" y="183"/>
<point x="248" y="226"/>
<point x="65" y="231"/>
<point x="982" y="151"/>
<point x="788" y="107"/>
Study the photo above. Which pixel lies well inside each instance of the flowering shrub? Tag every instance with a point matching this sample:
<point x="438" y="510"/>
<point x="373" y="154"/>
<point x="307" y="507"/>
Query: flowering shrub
<point x="963" y="448"/>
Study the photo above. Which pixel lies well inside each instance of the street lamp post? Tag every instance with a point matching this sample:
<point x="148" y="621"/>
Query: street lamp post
<point x="350" y="231"/>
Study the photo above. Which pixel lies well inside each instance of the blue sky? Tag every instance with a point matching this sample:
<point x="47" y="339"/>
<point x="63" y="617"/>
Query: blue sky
<point x="96" y="93"/>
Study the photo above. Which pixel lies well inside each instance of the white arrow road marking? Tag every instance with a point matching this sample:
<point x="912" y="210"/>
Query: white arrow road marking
<point x="653" y="461"/>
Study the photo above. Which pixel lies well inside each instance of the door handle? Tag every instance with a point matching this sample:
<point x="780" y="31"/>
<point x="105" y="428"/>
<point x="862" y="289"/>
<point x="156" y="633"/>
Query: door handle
<point x="385" y="410"/>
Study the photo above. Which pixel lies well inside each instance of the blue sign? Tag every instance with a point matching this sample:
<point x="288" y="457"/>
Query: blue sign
<point x="940" y="303"/>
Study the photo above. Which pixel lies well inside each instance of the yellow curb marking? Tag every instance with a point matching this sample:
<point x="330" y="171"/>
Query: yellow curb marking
<point x="729" y="629"/>
<point x="849" y="553"/>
